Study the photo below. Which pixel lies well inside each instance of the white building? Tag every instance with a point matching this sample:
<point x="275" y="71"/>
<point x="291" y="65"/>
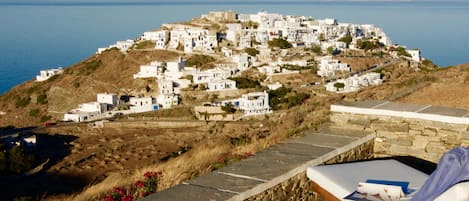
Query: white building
<point x="124" y="45"/>
<point x="243" y="61"/>
<point x="212" y="75"/>
<point x="256" y="103"/>
<point x="154" y="69"/>
<point x="92" y="110"/>
<point x="46" y="74"/>
<point x="174" y="69"/>
<point x="227" y="52"/>
<point x="355" y="83"/>
<point x="110" y="99"/>
<point x="121" y="45"/>
<point x="160" y="37"/>
<point x="269" y="70"/>
<point x="85" y="112"/>
<point x="167" y="94"/>
<point x="415" y="55"/>
<point x="144" y="104"/>
<point x="221" y="85"/>
<point x="328" y="66"/>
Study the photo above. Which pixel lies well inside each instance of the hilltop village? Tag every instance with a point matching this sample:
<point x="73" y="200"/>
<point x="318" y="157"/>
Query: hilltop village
<point x="190" y="97"/>
<point x="271" y="44"/>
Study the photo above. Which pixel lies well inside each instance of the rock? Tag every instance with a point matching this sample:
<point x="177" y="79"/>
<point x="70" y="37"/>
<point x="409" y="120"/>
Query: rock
<point x="429" y="132"/>
<point x="420" y="142"/>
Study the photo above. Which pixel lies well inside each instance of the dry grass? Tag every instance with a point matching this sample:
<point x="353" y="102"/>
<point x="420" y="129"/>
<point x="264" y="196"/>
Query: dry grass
<point x="204" y="155"/>
<point x="451" y="90"/>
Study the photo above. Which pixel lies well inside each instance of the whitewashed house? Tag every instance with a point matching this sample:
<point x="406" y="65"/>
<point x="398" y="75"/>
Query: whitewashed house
<point x="167" y="96"/>
<point x="269" y="70"/>
<point x="227" y="52"/>
<point x="212" y="75"/>
<point x="46" y="74"/>
<point x="232" y="32"/>
<point x="255" y="103"/>
<point x="243" y="61"/>
<point x="160" y="37"/>
<point x="221" y="85"/>
<point x="174" y="69"/>
<point x="414" y="55"/>
<point x="124" y="45"/>
<point x="328" y="66"/>
<point x="92" y="110"/>
<point x="85" y="112"/>
<point x="154" y="69"/>
<point x="355" y="83"/>
<point x="109" y="99"/>
<point x="144" y="104"/>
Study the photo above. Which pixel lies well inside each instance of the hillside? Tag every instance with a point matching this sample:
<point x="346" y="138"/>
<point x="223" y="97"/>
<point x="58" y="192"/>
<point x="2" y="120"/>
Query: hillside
<point x="32" y="102"/>
<point x="450" y="89"/>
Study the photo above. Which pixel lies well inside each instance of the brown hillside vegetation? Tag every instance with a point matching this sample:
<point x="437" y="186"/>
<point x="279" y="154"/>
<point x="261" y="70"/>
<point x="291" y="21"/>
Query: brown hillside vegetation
<point x="451" y="89"/>
<point x="111" y="72"/>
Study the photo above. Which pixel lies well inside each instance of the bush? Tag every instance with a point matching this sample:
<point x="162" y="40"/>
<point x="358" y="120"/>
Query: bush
<point x="245" y="83"/>
<point x="276" y="97"/>
<point x="42" y="99"/>
<point x="45" y="118"/>
<point x="366" y="45"/>
<point x="23" y="102"/>
<point x="297" y="99"/>
<point x="20" y="161"/>
<point x="339" y="85"/>
<point x="34" y="113"/>
<point x="228" y="108"/>
<point x="251" y="51"/>
<point x="346" y="39"/>
<point x="280" y="43"/>
<point x="144" y="45"/>
<point x="199" y="60"/>
<point x="90" y="67"/>
<point x="316" y="49"/>
<point x="76" y="85"/>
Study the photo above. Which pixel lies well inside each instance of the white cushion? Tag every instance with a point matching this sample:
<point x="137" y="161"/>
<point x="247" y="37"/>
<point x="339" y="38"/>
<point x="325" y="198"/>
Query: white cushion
<point x="342" y="179"/>
<point x="458" y="192"/>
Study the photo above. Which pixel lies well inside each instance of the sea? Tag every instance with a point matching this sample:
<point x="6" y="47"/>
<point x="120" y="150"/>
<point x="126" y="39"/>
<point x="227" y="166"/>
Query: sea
<point x="35" y="36"/>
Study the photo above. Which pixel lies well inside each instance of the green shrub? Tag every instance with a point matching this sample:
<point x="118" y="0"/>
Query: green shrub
<point x="42" y="99"/>
<point x="144" y="45"/>
<point x="339" y="85"/>
<point x="297" y="99"/>
<point x="346" y="39"/>
<point x="228" y="108"/>
<point x="76" y="85"/>
<point x="245" y="83"/>
<point x="199" y="60"/>
<point x="45" y="118"/>
<point x="241" y="140"/>
<point x="280" y="43"/>
<point x="23" y="102"/>
<point x="366" y="44"/>
<point x="90" y="67"/>
<point x="20" y="161"/>
<point x="251" y="51"/>
<point x="34" y="112"/>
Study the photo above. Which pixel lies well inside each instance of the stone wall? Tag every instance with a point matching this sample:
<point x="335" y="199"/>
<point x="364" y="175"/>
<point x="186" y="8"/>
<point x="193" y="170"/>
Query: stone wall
<point x="423" y="139"/>
<point x="299" y="186"/>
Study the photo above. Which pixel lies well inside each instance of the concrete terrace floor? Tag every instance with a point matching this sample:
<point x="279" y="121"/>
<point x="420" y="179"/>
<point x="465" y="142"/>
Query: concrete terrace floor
<point x="267" y="168"/>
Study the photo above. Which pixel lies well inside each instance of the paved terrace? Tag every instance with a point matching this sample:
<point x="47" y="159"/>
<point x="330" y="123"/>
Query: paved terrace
<point x="267" y="168"/>
<point x="404" y="110"/>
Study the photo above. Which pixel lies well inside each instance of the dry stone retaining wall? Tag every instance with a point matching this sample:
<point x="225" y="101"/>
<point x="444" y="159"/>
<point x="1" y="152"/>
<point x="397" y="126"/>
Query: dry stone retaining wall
<point x="407" y="136"/>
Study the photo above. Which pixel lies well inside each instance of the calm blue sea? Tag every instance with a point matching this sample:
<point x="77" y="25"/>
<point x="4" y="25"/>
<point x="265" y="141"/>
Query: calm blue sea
<point x="40" y="36"/>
